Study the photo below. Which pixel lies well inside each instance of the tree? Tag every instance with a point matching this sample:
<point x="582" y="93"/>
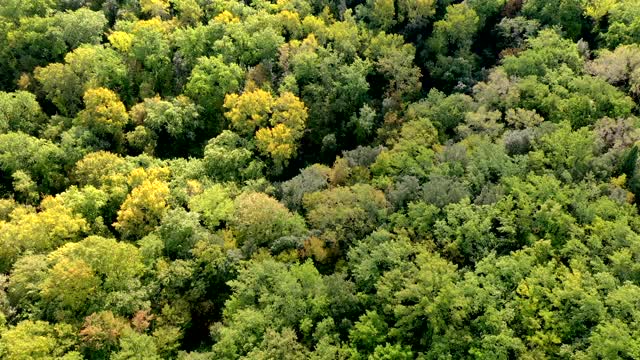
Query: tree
<point x="100" y="334"/>
<point x="394" y="60"/>
<point x="80" y="278"/>
<point x="253" y="111"/>
<point x="38" y="232"/>
<point x="214" y="204"/>
<point x="143" y="208"/>
<point x="41" y="159"/>
<point x="88" y="202"/>
<point x="180" y="231"/>
<point x="189" y="12"/>
<point x="38" y="340"/>
<point x="249" y="111"/>
<point x="620" y="67"/>
<point x="158" y="8"/>
<point x="412" y="154"/>
<point x="17" y="9"/>
<point x="346" y="214"/>
<point x="515" y="31"/>
<point x="449" y="46"/>
<point x="105" y="116"/>
<point x="279" y="345"/>
<point x="146" y="44"/>
<point x="89" y="66"/>
<point x="612" y="339"/>
<point x="311" y="179"/>
<point x="211" y="79"/>
<point x="68" y="288"/>
<point x="19" y="111"/>
<point x="581" y="146"/>
<point x="176" y="121"/>
<point x="288" y="122"/>
<point x="385" y="15"/>
<point x="428" y="279"/>
<point x="330" y="86"/>
<point x="566" y="13"/>
<point x="259" y="220"/>
<point x="136" y="346"/>
<point x="38" y="41"/>
<point x="229" y="157"/>
<point x="545" y="52"/>
<point x="623" y="23"/>
<point x="368" y="332"/>
<point x="270" y="296"/>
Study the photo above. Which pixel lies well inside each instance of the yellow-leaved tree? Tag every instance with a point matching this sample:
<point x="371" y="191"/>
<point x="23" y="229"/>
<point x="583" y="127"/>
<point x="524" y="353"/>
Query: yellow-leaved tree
<point x="276" y="123"/>
<point x="155" y="7"/>
<point x="104" y="115"/>
<point x="142" y="210"/>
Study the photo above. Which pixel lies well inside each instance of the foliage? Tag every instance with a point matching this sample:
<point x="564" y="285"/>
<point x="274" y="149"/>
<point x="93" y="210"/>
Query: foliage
<point x="309" y="179"/>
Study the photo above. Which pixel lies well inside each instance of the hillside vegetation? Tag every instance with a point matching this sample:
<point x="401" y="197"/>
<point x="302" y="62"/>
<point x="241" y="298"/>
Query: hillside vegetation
<point x="319" y="179"/>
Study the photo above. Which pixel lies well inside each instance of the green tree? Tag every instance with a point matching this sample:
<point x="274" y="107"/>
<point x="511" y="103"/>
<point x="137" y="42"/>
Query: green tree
<point x="41" y="159"/>
<point x="81" y="278"/>
<point x="211" y="79"/>
<point x="566" y="13"/>
<point x="545" y="52"/>
<point x="346" y="214"/>
<point x="176" y="121"/>
<point x="87" y="67"/>
<point x="623" y="23"/>
<point x="37" y="41"/>
<point x="269" y="296"/>
<point x="38" y="340"/>
<point x="229" y="157"/>
<point x="135" y="346"/>
<point x="20" y="112"/>
<point x="449" y="46"/>
<point x="146" y="46"/>
<point x="394" y="60"/>
<point x="215" y="205"/>
<point x="259" y="220"/>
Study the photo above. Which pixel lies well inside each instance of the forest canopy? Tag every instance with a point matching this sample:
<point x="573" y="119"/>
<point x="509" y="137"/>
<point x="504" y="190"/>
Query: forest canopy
<point x="319" y="179"/>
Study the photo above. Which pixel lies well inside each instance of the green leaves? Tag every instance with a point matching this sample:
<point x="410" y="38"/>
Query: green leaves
<point x="324" y="180"/>
<point x="19" y="111"/>
<point x="211" y="80"/>
<point x="38" y="340"/>
<point x="258" y="220"/>
<point x="85" y="68"/>
<point x="346" y="214"/>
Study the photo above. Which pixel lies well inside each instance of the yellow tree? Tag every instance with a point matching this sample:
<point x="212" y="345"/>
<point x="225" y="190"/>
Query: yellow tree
<point x="248" y="111"/>
<point x="38" y="340"/>
<point x="104" y="115"/>
<point x="155" y="7"/>
<point x="38" y="232"/>
<point x="277" y="123"/>
<point x="142" y="210"/>
<point x="103" y="111"/>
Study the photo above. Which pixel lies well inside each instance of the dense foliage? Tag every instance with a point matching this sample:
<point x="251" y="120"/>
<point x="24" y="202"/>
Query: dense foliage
<point x="308" y="179"/>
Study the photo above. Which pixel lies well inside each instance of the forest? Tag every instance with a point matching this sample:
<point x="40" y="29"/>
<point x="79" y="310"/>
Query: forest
<point x="319" y="179"/>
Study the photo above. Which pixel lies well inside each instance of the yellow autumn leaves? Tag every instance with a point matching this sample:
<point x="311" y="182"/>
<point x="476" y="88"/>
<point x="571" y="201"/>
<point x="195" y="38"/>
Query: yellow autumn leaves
<point x="103" y="111"/>
<point x="276" y="123"/>
<point x="145" y="205"/>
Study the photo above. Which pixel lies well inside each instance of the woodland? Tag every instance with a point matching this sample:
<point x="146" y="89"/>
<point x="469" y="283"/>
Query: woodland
<point x="319" y="179"/>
